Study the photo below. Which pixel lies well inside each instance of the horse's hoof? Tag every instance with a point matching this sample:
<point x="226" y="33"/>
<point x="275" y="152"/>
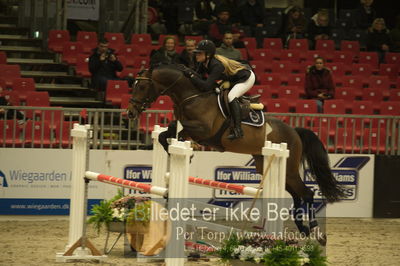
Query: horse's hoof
<point x="319" y="236"/>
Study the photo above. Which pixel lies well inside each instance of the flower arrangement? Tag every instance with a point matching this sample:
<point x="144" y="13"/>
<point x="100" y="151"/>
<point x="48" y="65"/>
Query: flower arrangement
<point x="265" y="250"/>
<point x="125" y="209"/>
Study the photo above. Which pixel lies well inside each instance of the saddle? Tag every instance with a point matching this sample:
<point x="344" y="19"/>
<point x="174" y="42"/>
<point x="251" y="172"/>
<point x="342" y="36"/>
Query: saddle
<point x="251" y="108"/>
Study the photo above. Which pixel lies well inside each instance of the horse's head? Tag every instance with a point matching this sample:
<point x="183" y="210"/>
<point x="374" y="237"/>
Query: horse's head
<point x="143" y="94"/>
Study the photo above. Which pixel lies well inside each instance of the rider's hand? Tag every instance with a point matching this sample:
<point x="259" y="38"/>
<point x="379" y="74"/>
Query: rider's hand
<point x="188" y="73"/>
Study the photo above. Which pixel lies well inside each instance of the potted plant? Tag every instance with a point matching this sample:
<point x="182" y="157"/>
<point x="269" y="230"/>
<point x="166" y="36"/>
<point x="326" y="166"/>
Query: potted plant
<point x="115" y="214"/>
<point x="265" y="250"/>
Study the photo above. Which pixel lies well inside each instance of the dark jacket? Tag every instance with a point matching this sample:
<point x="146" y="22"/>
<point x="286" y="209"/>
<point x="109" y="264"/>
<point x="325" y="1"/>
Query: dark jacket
<point x="160" y="56"/>
<point x="104" y="69"/>
<point x="188" y="60"/>
<point x="363" y="20"/>
<point x="213" y="72"/>
<point x="319" y="82"/>
<point x="375" y="40"/>
<point x="314" y="30"/>
<point x="251" y="15"/>
<point x="217" y="30"/>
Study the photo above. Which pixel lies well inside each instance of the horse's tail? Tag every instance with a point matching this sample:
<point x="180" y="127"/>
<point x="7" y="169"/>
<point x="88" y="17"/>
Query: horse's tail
<point x="318" y="162"/>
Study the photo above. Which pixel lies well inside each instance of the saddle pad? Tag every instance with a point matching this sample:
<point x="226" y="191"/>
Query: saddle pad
<point x="255" y="118"/>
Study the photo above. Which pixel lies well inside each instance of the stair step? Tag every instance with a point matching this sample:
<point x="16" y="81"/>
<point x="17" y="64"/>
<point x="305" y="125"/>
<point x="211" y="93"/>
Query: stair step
<point x="26" y="61"/>
<point x="52" y="74"/>
<point x="3" y="25"/>
<point x="74" y="101"/>
<point x="59" y="87"/>
<point x="20" y="49"/>
<point x="15" y="37"/>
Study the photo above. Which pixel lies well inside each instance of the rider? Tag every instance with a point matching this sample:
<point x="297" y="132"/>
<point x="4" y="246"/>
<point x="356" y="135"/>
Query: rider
<point x="217" y="67"/>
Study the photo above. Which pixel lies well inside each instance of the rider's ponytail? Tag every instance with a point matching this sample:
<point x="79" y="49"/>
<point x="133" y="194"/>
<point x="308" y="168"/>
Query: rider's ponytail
<point x="231" y="66"/>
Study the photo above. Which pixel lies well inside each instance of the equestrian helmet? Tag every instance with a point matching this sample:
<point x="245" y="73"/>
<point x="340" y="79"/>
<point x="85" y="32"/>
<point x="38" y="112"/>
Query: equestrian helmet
<point x="206" y="46"/>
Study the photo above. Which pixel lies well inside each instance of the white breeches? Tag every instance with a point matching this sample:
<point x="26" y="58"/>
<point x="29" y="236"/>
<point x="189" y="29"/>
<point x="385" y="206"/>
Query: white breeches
<point x="241" y="88"/>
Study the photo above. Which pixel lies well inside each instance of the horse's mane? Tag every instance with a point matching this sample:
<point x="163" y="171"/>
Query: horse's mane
<point x="174" y="66"/>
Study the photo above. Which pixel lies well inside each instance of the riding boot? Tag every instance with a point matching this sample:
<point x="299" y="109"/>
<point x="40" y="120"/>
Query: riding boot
<point x="236" y="131"/>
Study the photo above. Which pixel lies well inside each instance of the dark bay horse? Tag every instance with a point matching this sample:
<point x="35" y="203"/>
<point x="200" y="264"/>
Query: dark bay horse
<point x="201" y="119"/>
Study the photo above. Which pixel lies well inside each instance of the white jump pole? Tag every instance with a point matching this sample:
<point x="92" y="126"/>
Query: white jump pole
<point x="275" y="183"/>
<point x="178" y="190"/>
<point x="160" y="159"/>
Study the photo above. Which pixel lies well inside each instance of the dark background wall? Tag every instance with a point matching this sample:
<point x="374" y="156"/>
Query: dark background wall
<point x="388" y="9"/>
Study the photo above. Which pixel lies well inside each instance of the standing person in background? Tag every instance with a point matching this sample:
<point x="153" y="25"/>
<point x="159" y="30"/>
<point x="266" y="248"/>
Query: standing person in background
<point x="365" y="14"/>
<point x="294" y="26"/>
<point x="395" y="35"/>
<point x="226" y="49"/>
<point x="166" y="54"/>
<point x="187" y="56"/>
<point x="319" y="83"/>
<point x="103" y="65"/>
<point x="252" y="14"/>
<point x="318" y="28"/>
<point x="378" y="39"/>
<point x="204" y="15"/>
<point x="222" y="25"/>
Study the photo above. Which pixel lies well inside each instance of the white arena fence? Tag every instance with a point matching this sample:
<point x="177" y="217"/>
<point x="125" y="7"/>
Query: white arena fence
<point x="49" y="127"/>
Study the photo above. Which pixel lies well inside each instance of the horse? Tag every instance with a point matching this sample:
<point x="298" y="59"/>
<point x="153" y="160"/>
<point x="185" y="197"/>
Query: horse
<point x="203" y="122"/>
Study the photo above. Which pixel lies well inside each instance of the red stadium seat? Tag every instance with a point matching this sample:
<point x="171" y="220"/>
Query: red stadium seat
<point x="389" y="108"/>
<point x="381" y="82"/>
<point x="325" y="45"/>
<point x="350" y="46"/>
<point x="273" y="43"/>
<point x="82" y="66"/>
<point x="296" y="80"/>
<point x="345" y="57"/>
<point x="57" y="39"/>
<point x="338" y="69"/>
<point x="362" y="70"/>
<point x="346" y="93"/>
<point x="262" y="54"/>
<point x="362" y="108"/>
<point x="390" y="70"/>
<point x="142" y="39"/>
<point x="290" y="55"/>
<point x="298" y="44"/>
<point x="125" y="100"/>
<point x="250" y="42"/>
<point x="63" y="134"/>
<point x="70" y="52"/>
<point x="277" y="105"/>
<point x="8" y="73"/>
<point x="141" y="62"/>
<point x="37" y="134"/>
<point x="283" y="67"/>
<point x="88" y="39"/>
<point x="162" y="103"/>
<point x="335" y="106"/>
<point x="290" y="92"/>
<point x="114" y="90"/>
<point x="11" y="96"/>
<point x="129" y="51"/>
<point x="128" y="72"/>
<point x="394" y="95"/>
<point x="36" y="98"/>
<point x="392" y="58"/>
<point x="23" y="86"/>
<point x="10" y="133"/>
<point x="352" y="81"/>
<point x="271" y="79"/>
<point x="115" y="40"/>
<point x="374" y="140"/>
<point x="306" y="106"/>
<point x="147" y="121"/>
<point x="369" y="58"/>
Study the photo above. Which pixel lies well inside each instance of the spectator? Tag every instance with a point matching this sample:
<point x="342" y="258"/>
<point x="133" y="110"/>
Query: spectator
<point x="294" y="24"/>
<point x="10" y="114"/>
<point x="319" y="83"/>
<point x="251" y="14"/>
<point x="169" y="10"/>
<point x="226" y="49"/>
<point x="204" y="17"/>
<point x="395" y="35"/>
<point x="222" y="25"/>
<point x="378" y="38"/>
<point x="187" y="56"/>
<point x="103" y="65"/>
<point x="231" y="6"/>
<point x="364" y="15"/>
<point x="318" y="28"/>
<point x="166" y="54"/>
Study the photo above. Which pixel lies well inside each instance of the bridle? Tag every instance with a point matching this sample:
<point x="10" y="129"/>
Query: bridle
<point x="142" y="105"/>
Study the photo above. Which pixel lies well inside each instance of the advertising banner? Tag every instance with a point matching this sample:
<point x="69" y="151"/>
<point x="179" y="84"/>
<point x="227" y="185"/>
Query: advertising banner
<point x="37" y="181"/>
<point x="83" y="9"/>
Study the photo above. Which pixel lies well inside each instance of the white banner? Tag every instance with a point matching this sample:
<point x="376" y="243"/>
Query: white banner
<point x="83" y="9"/>
<point x="33" y="179"/>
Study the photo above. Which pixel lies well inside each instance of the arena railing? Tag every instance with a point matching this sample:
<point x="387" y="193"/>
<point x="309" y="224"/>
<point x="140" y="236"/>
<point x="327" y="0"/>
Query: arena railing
<point x="49" y="127"/>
